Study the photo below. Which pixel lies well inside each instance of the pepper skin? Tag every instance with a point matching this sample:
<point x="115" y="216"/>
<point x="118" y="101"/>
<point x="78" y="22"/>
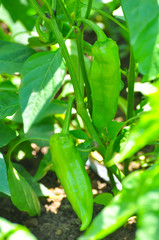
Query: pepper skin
<point x="105" y="80"/>
<point x="70" y="170"/>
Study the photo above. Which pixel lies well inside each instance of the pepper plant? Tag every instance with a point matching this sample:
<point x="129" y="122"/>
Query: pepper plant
<point x="48" y="68"/>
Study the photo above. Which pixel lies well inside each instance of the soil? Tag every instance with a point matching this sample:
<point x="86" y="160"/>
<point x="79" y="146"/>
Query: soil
<point x="58" y="220"/>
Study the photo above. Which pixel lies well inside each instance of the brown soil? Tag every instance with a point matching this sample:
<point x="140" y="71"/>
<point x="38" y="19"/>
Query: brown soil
<point x="58" y="220"/>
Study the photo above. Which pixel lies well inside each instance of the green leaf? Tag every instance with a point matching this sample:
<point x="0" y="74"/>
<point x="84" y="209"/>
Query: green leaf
<point x="144" y="34"/>
<point x="103" y="198"/>
<point x="3" y="177"/>
<point x="45" y="165"/>
<point x="22" y="195"/>
<point x="145" y="131"/>
<point x="38" y="188"/>
<point x="148" y="219"/>
<point x="9" y="103"/>
<point x="55" y="107"/>
<point x="42" y="77"/>
<point x="148" y="213"/>
<point x="7" y="86"/>
<point x="41" y="130"/>
<point x="114" y="127"/>
<point x="6" y="133"/>
<point x="79" y="134"/>
<point x="12" y="231"/>
<point x="13" y="56"/>
<point x="20" y="10"/>
<point x="118" y="210"/>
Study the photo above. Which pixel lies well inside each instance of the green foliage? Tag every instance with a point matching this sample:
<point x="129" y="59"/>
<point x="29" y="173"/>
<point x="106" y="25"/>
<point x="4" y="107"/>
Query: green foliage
<point x="144" y="25"/>
<point x="42" y="77"/>
<point x="13" y="56"/>
<point x="46" y="58"/>
<point x="12" y="231"/>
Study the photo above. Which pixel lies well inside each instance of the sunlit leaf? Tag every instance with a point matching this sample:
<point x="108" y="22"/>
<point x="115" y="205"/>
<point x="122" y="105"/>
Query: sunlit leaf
<point x="42" y="77"/>
<point x="3" y="177"/>
<point x="22" y="195"/>
<point x="6" y="133"/>
<point x="12" y="231"/>
<point x="144" y="34"/>
<point x="13" y="56"/>
<point x="145" y="131"/>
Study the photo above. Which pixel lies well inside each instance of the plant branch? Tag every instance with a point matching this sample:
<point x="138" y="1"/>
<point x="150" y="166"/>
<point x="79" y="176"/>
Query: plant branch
<point x="88" y="8"/>
<point x="66" y="12"/>
<point x="131" y="81"/>
<point x="67" y="120"/>
<point x="83" y="68"/>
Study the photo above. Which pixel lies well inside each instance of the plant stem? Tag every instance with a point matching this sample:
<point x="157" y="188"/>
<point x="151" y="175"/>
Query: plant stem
<point x="99" y="32"/>
<point x="77" y="9"/>
<point x="67" y="120"/>
<point x="83" y="68"/>
<point x="108" y="16"/>
<point x="131" y="81"/>
<point x="88" y="8"/>
<point x="66" y="12"/>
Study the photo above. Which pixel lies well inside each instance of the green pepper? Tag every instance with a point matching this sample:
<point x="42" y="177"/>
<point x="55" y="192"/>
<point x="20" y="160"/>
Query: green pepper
<point x="105" y="79"/>
<point x="70" y="169"/>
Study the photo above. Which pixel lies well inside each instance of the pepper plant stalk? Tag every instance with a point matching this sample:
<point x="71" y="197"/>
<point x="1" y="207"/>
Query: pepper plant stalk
<point x="83" y="68"/>
<point x="89" y="8"/>
<point x="131" y="81"/>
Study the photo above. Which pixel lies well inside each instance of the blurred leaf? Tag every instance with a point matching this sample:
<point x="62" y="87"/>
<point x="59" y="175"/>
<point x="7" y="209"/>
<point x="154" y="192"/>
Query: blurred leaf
<point x="6" y="133"/>
<point x="4" y="36"/>
<point x="114" y="127"/>
<point x="42" y="77"/>
<point x="144" y="34"/>
<point x="38" y="188"/>
<point x="118" y="210"/>
<point x="45" y="165"/>
<point x="16" y="9"/>
<point x="103" y="198"/>
<point x="7" y="86"/>
<point x="79" y="134"/>
<point x="3" y="177"/>
<point x="13" y="56"/>
<point x="9" y="103"/>
<point x="19" y="24"/>
<point x="55" y="107"/>
<point x="41" y="130"/>
<point x="12" y="231"/>
<point x="135" y="197"/>
<point x="22" y="195"/>
<point x="145" y="131"/>
<point x="148" y="220"/>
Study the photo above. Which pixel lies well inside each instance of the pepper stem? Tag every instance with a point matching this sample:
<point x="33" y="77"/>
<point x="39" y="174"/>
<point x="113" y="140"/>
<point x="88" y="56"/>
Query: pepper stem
<point x="67" y="120"/>
<point x="101" y="37"/>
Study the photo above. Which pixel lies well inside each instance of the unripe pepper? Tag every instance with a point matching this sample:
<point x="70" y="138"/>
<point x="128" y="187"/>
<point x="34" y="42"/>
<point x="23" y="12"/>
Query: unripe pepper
<point x="70" y="170"/>
<point x="105" y="79"/>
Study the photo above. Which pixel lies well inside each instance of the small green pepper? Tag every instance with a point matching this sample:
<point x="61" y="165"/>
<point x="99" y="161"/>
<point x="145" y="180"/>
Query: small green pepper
<point x="105" y="79"/>
<point x="70" y="170"/>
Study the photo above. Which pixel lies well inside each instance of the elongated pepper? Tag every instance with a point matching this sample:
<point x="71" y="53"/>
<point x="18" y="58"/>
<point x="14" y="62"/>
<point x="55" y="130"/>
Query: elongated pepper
<point x="70" y="170"/>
